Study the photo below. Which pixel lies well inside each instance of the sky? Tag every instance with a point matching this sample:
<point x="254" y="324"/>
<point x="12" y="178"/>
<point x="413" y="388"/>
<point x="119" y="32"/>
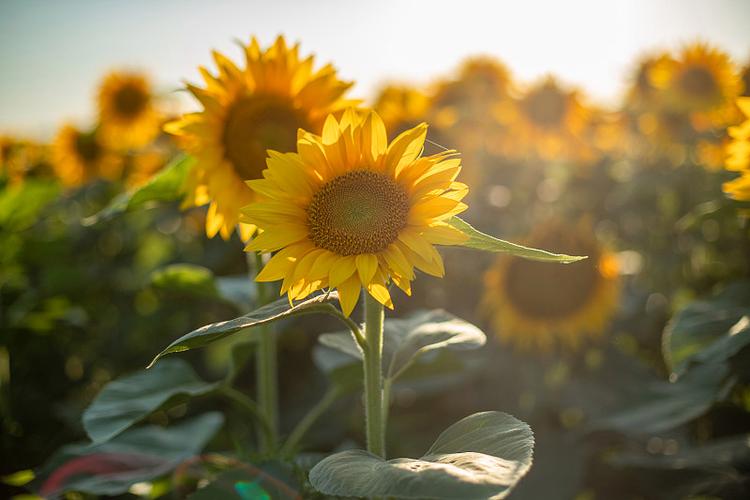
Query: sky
<point x="53" y="53"/>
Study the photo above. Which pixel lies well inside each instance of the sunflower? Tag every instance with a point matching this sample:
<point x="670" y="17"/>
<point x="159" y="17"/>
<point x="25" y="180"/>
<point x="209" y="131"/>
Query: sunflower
<point x="700" y="79"/>
<point x="643" y="94"/>
<point x="401" y="107"/>
<point x="349" y="210"/>
<point x="738" y="155"/>
<point x="537" y="306"/>
<point x="78" y="157"/>
<point x="127" y="113"/>
<point x="551" y="123"/>
<point x="245" y="112"/>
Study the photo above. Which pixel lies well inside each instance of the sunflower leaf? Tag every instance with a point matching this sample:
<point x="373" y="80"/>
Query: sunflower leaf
<point x="200" y="282"/>
<point x="406" y="339"/>
<point x="136" y="455"/>
<point x="129" y="399"/>
<point x="269" y="313"/>
<point x="481" y="456"/>
<point x="164" y="186"/>
<point x="481" y="241"/>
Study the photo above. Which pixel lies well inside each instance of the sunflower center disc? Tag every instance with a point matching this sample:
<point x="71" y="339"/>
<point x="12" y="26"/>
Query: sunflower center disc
<point x="87" y="147"/>
<point x="358" y="212"/>
<point x="546" y="107"/>
<point x="130" y="101"/>
<point x="255" y="124"/>
<point x="552" y="291"/>
<point x="698" y="82"/>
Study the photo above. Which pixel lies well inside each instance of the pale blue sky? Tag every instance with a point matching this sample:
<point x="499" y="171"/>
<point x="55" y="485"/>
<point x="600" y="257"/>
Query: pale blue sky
<point x="52" y="53"/>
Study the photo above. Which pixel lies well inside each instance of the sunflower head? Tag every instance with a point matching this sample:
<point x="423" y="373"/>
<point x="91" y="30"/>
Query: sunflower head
<point x="246" y="112"/>
<point x="538" y="306"/>
<point x="643" y="94"/>
<point x="700" y="79"/>
<point x="738" y="155"/>
<point x="127" y="113"/>
<point x="551" y="123"/>
<point x="80" y="156"/>
<point x="349" y="210"/>
<point x="401" y="107"/>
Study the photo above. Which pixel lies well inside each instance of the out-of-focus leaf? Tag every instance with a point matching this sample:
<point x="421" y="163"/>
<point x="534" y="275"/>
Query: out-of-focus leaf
<point x="21" y="204"/>
<point x="704" y="322"/>
<point x="200" y="282"/>
<point x="668" y="405"/>
<point x="127" y="400"/>
<point x="342" y="370"/>
<point x="269" y="313"/>
<point x="165" y="186"/>
<point x="137" y="455"/>
<point x="480" y="241"/>
<point x="481" y="456"/>
<point x="404" y="340"/>
<point x="19" y="478"/>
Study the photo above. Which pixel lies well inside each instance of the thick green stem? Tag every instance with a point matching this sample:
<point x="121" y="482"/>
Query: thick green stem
<point x="373" y="360"/>
<point x="266" y="367"/>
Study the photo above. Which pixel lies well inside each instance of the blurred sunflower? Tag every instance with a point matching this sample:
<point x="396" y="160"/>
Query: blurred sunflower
<point x="143" y="166"/>
<point x="550" y="122"/>
<point x="700" y="79"/>
<point x="348" y="210"/>
<point x="78" y="157"/>
<point x="738" y="155"/>
<point x="246" y="112"/>
<point x="401" y="107"/>
<point x="127" y="113"/>
<point x="643" y="94"/>
<point x="537" y="306"/>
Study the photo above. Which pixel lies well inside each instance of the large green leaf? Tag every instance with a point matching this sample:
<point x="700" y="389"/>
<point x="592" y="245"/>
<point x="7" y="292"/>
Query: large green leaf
<point x="406" y="339"/>
<point x="137" y="455"/>
<point x="481" y="241"/>
<point x="127" y="400"/>
<point x="704" y="322"/>
<point x="481" y="456"/>
<point x="165" y="186"/>
<point x="668" y="405"/>
<point x="274" y="311"/>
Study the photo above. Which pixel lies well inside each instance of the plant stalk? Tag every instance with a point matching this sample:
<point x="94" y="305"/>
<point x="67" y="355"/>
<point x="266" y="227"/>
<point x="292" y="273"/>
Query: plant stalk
<point x="373" y="371"/>
<point x="266" y="366"/>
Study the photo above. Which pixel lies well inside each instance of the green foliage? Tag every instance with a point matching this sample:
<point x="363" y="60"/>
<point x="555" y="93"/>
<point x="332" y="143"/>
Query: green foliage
<point x="137" y="455"/>
<point x="480" y="241"/>
<point x="163" y="187"/>
<point x="405" y="340"/>
<point x="269" y="313"/>
<point x="127" y="400"/>
<point x="704" y="322"/>
<point x="481" y="456"/>
<point x="201" y="283"/>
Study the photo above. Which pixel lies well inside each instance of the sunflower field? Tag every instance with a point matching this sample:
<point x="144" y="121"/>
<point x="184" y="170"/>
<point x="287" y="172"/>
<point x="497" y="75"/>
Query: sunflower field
<point x="266" y="284"/>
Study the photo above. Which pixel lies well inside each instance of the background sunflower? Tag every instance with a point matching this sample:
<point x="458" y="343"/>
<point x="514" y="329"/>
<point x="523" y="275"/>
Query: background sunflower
<point x="128" y="115"/>
<point x="81" y="156"/>
<point x="246" y="112"/>
<point x="539" y="307"/>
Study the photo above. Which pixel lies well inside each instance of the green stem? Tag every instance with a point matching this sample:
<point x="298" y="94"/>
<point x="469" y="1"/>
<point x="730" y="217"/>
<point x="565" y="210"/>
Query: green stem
<point x="308" y="420"/>
<point x="266" y="366"/>
<point x="373" y="360"/>
<point x="248" y="405"/>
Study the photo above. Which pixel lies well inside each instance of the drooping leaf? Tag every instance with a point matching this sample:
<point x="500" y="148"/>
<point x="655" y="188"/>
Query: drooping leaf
<point x="668" y="405"/>
<point x="137" y="455"/>
<point x="406" y="339"/>
<point x="481" y="456"/>
<point x="127" y="400"/>
<point x="269" y="313"/>
<point x="165" y="186"/>
<point x="704" y="322"/>
<point x="481" y="241"/>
